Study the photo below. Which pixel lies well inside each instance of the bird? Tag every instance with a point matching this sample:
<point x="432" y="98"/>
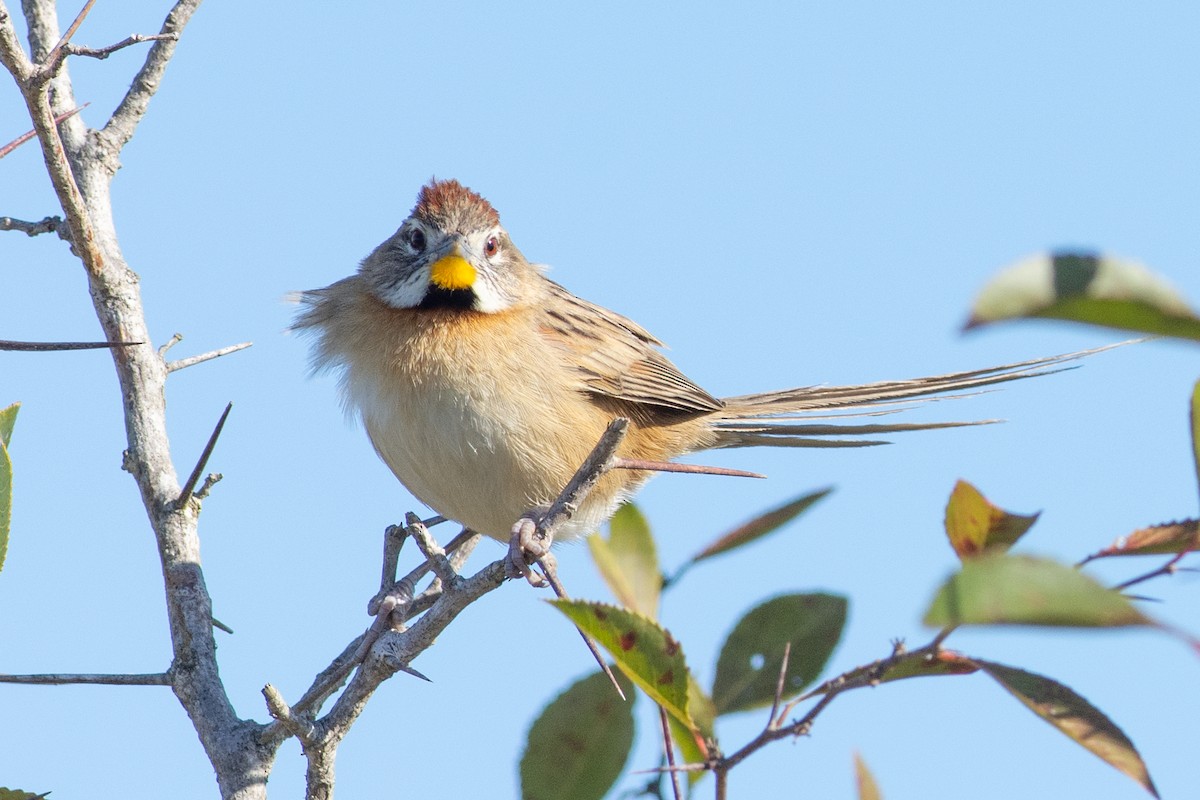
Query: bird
<point x="483" y="384"/>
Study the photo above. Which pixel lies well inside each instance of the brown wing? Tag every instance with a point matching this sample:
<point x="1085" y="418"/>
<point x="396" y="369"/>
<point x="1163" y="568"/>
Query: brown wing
<point x="618" y="358"/>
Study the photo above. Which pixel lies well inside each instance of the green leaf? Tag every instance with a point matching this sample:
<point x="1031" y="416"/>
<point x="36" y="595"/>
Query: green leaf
<point x="628" y="561"/>
<point x="750" y="660"/>
<point x="17" y="794"/>
<point x="897" y="668"/>
<point x="1165" y="539"/>
<point x="8" y="418"/>
<point x="975" y="526"/>
<point x="5" y="501"/>
<point x="1075" y="717"/>
<point x="644" y="651"/>
<point x="761" y="525"/>
<point x="579" y="744"/>
<point x="1020" y="590"/>
<point x="693" y="743"/>
<point x="868" y="789"/>
<point x="1082" y="287"/>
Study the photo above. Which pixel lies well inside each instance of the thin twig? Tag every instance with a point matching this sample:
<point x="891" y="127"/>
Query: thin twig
<point x="186" y="494"/>
<point x="1168" y="568"/>
<point x="299" y="727"/>
<point x="58" y="54"/>
<point x="105" y="52"/>
<point x="780" y="683"/>
<point x="42" y="347"/>
<point x="669" y="749"/>
<point x="175" y="339"/>
<point x="211" y="480"/>
<point x="671" y="466"/>
<point x="183" y="363"/>
<point x="144" y="679"/>
<point x="25" y="137"/>
<point x="45" y="225"/>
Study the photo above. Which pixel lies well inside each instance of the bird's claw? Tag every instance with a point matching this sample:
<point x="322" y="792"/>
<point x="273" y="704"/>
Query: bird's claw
<point x="526" y="547"/>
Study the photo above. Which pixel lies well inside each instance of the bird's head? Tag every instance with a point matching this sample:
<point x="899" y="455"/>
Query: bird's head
<point x="451" y="252"/>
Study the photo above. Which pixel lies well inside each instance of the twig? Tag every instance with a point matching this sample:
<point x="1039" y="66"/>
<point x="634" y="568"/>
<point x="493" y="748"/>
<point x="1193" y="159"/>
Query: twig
<point x="144" y="679"/>
<point x="183" y="363"/>
<point x="299" y="727"/>
<point x="42" y="347"/>
<point x="25" y="137"/>
<point x="780" y="683"/>
<point x="54" y="60"/>
<point x="1168" y="568"/>
<point x="211" y="480"/>
<point x="669" y="748"/>
<point x="45" y="225"/>
<point x="105" y="52"/>
<point x="186" y="494"/>
<point x="671" y="466"/>
<point x="175" y="339"/>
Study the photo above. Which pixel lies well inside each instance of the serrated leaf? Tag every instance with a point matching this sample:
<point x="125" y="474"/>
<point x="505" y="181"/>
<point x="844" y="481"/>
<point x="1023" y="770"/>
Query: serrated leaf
<point x="628" y="560"/>
<point x="1021" y="590"/>
<point x="6" y="476"/>
<point x="578" y="745"/>
<point x="909" y="665"/>
<point x="975" y="526"/>
<point x="1083" y="287"/>
<point x="643" y="650"/>
<point x="749" y="663"/>
<point x="8" y="418"/>
<point x="868" y="789"/>
<point x="1165" y="539"/>
<point x="761" y="525"/>
<point x="1075" y="717"/>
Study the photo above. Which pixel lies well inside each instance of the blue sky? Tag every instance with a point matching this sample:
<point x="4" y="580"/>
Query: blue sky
<point x="786" y="193"/>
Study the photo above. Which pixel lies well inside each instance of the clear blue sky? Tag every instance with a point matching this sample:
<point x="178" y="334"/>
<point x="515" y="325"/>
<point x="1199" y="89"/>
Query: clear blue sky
<point x="786" y="193"/>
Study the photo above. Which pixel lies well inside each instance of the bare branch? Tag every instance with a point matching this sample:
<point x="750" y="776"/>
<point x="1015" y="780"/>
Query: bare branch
<point x="61" y="678"/>
<point x="132" y="108"/>
<point x="54" y="60"/>
<point x="669" y="749"/>
<point x="175" y="339"/>
<point x="45" y="225"/>
<point x="183" y="363"/>
<point x="211" y="480"/>
<point x="302" y="729"/>
<point x="105" y="52"/>
<point x="42" y="347"/>
<point x="186" y="494"/>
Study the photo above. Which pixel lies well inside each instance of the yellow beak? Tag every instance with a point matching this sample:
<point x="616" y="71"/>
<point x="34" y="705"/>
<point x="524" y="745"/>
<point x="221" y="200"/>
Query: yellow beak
<point x="452" y="272"/>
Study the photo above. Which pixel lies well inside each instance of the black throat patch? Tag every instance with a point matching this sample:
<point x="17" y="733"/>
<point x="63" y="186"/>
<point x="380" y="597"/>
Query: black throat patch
<point x="437" y="297"/>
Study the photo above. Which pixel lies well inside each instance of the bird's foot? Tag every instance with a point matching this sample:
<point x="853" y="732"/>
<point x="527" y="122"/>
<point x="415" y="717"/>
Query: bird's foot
<point x="526" y="547"/>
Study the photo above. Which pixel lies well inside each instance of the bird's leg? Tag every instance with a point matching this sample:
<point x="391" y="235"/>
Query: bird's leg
<point x="527" y="546"/>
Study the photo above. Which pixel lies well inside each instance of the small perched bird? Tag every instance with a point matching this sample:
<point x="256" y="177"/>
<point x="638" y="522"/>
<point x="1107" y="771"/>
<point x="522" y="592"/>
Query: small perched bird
<point x="483" y="384"/>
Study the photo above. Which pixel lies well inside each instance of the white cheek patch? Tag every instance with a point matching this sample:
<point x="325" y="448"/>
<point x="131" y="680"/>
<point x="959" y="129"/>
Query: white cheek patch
<point x="407" y="293"/>
<point x="488" y="297"/>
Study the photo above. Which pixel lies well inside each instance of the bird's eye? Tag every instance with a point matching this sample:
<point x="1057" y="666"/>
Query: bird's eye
<point x="491" y="246"/>
<point x="416" y="239"/>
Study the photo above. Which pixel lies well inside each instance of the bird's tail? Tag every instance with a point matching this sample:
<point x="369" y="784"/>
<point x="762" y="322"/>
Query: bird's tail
<point x="774" y="418"/>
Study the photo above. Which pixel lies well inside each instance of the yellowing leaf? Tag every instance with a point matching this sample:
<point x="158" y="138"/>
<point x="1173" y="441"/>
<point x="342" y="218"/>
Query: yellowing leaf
<point x="628" y="560"/>
<point x="1168" y="538"/>
<point x="643" y="650"/>
<point x="750" y="660"/>
<point x="1083" y="287"/>
<point x="579" y="744"/>
<point x="865" y="781"/>
<point x="761" y="525"/>
<point x="1020" y="590"/>
<point x="1075" y="717"/>
<point x="975" y="526"/>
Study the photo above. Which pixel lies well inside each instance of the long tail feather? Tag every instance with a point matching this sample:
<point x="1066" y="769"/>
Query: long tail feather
<point x="761" y="419"/>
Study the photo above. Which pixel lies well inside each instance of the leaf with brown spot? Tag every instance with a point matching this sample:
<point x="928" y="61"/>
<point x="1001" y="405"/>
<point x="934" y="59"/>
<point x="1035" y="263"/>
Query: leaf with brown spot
<point x="642" y="649"/>
<point x="975" y="526"/>
<point x="1073" y="716"/>
<point x="579" y="744"/>
<point x="1168" y="538"/>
